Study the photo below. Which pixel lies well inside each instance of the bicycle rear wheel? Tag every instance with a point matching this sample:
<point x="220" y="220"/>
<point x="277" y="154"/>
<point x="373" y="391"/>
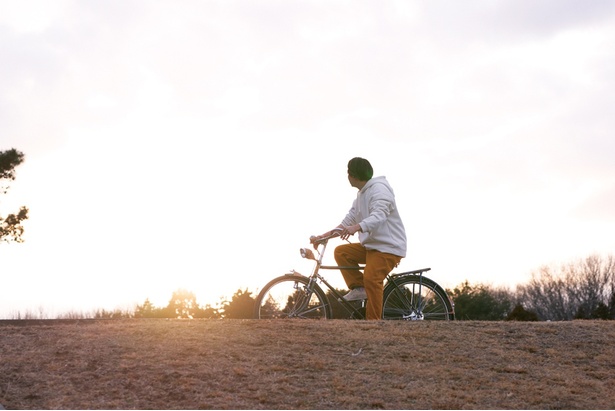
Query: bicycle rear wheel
<point x="408" y="297"/>
<point x="289" y="296"/>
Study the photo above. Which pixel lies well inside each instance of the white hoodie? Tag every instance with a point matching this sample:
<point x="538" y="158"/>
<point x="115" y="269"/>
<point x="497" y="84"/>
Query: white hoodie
<point x="375" y="210"/>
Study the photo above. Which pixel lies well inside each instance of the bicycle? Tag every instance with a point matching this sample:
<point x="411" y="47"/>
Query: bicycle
<point x="406" y="296"/>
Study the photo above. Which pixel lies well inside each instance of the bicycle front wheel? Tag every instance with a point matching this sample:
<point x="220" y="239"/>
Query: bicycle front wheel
<point x="410" y="297"/>
<point x="292" y="296"/>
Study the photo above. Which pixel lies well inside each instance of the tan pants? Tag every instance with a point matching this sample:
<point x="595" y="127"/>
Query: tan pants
<point x="377" y="266"/>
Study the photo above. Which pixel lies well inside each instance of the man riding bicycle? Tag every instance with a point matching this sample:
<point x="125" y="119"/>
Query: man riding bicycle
<point x="382" y="237"/>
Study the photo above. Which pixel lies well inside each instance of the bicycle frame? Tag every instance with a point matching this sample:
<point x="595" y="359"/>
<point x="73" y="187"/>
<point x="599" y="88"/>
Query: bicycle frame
<point x="316" y="276"/>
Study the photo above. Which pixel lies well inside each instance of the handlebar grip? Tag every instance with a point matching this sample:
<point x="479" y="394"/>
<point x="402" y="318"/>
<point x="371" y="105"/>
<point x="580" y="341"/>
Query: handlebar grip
<point x="336" y="232"/>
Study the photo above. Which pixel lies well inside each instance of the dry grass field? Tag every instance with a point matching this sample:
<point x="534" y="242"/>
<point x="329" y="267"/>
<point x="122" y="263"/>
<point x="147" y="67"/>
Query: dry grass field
<point x="256" y="364"/>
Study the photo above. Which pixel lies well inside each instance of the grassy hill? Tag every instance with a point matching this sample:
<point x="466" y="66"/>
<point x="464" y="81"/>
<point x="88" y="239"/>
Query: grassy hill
<point x="339" y="364"/>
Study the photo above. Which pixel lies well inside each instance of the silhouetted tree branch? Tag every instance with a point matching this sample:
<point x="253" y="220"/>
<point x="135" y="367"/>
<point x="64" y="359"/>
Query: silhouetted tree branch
<point x="11" y="228"/>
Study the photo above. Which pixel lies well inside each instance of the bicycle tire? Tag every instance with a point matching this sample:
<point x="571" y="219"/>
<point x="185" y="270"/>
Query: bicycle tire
<point x="409" y="297"/>
<point x="289" y="296"/>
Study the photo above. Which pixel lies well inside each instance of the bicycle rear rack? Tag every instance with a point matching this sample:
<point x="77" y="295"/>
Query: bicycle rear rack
<point x="413" y="272"/>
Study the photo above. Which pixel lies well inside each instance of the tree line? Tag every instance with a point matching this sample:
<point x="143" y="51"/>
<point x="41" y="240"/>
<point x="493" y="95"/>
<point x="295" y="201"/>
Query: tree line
<point x="183" y="304"/>
<point x="584" y="289"/>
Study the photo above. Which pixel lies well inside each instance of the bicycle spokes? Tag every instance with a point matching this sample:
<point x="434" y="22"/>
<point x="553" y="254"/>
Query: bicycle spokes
<point x="414" y="298"/>
<point x="290" y="298"/>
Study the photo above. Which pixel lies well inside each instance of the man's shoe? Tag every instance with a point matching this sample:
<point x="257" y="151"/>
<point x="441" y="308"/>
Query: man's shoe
<point x="356" y="294"/>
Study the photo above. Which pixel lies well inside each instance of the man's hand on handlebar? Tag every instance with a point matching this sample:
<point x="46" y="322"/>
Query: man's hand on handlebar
<point x="340" y="231"/>
<point x="316" y="240"/>
<point x="349" y="231"/>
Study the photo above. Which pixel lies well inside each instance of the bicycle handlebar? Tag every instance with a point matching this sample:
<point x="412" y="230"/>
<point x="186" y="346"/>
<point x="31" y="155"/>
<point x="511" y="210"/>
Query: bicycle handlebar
<point x="336" y="232"/>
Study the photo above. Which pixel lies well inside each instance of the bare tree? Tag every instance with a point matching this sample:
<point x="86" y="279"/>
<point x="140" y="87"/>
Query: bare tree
<point x="575" y="290"/>
<point x="592" y="281"/>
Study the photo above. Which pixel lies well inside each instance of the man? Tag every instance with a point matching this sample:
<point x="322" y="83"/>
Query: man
<point x="382" y="237"/>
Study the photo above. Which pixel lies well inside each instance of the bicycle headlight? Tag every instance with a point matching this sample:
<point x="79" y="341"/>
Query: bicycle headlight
<point x="307" y="253"/>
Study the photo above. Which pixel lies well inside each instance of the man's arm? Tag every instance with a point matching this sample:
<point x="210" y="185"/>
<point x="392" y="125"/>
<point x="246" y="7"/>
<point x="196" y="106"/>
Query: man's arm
<point x="380" y="206"/>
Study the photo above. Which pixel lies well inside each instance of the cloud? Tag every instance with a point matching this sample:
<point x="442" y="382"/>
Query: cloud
<point x="492" y="22"/>
<point x="599" y="206"/>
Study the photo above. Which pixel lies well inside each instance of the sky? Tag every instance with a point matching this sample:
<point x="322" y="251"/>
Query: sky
<point x="199" y="144"/>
